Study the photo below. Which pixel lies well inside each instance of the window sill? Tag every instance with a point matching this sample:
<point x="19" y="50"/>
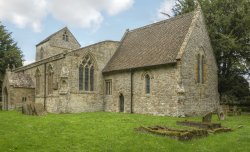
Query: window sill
<point x="63" y="92"/>
<point x="200" y="84"/>
<point x="85" y="92"/>
<point x="51" y="95"/>
<point x="108" y="95"/>
<point x="39" y="96"/>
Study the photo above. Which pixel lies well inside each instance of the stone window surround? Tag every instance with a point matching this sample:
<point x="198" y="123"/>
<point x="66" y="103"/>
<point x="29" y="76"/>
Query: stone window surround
<point x="83" y="92"/>
<point x="147" y="84"/>
<point x="108" y="87"/>
<point x="143" y="78"/>
<point x="200" y="74"/>
<point x="89" y="57"/>
<point x="24" y="99"/>
<point x="65" y="36"/>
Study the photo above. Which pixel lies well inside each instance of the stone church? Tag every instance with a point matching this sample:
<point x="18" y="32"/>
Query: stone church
<point x="165" y="68"/>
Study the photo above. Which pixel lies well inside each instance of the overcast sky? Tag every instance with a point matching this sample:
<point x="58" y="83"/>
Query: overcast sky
<point x="91" y="21"/>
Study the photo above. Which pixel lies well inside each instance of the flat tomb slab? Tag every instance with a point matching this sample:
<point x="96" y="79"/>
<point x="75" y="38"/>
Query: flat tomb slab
<point x="174" y="133"/>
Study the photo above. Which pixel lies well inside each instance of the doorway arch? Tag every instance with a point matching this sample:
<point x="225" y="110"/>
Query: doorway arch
<point x="5" y="97"/>
<point x="121" y="103"/>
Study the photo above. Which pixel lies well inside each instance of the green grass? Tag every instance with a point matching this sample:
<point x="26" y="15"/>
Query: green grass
<point x="102" y="131"/>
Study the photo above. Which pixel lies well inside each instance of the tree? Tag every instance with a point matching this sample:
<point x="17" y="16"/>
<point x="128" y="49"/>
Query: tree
<point x="228" y="25"/>
<point x="10" y="54"/>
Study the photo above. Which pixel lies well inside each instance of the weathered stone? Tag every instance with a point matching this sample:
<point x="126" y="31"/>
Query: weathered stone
<point x="33" y="109"/>
<point x="27" y="109"/>
<point x="221" y="115"/>
<point x="39" y="109"/>
<point x="173" y="87"/>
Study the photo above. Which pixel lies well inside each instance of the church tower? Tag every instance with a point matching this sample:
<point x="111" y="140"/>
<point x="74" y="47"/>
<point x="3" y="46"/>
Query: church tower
<point x="62" y="40"/>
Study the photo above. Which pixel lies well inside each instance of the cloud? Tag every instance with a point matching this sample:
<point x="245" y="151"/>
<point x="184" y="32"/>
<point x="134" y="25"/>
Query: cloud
<point x="117" y="6"/>
<point x="24" y="12"/>
<point x="80" y="13"/>
<point x="28" y="62"/>
<point x="165" y="7"/>
<point x="86" y="13"/>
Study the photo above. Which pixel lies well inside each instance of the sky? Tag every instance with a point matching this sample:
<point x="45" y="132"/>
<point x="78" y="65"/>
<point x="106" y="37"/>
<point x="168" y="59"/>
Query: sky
<point x="90" y="21"/>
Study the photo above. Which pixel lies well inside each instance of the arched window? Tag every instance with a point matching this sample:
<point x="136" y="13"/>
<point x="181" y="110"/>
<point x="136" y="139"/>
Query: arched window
<point x="86" y="78"/>
<point x="147" y="83"/>
<point x="50" y="79"/>
<point x="81" y="77"/>
<point x="92" y="78"/>
<point x="200" y="71"/>
<point x="87" y="74"/>
<point x="38" y="81"/>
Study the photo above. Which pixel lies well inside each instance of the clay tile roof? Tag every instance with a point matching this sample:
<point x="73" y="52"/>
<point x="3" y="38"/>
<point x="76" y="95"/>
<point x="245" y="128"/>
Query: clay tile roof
<point x="155" y="44"/>
<point x="21" y="80"/>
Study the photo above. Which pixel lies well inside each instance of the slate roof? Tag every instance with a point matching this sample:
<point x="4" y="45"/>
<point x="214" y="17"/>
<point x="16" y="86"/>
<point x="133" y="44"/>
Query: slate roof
<point x="151" y="45"/>
<point x="21" y="80"/>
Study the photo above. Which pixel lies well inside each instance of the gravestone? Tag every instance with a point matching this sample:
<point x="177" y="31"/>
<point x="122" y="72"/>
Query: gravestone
<point x="207" y="118"/>
<point x="39" y="109"/>
<point x="220" y="113"/>
<point x="33" y="109"/>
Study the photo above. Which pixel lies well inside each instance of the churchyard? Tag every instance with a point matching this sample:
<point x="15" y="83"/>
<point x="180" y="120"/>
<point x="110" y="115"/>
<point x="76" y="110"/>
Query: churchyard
<point x="102" y="131"/>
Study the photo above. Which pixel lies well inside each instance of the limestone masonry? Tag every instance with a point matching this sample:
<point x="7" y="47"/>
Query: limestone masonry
<point x="166" y="68"/>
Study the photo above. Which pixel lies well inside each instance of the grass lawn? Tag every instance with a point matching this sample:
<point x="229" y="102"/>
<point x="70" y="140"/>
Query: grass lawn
<point x="102" y="131"/>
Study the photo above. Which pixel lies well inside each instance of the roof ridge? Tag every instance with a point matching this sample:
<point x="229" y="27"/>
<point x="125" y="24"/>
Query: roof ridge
<point x="162" y="22"/>
<point x="151" y="45"/>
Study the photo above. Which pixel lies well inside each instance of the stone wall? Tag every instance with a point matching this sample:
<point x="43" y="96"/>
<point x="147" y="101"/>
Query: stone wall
<point x="121" y="85"/>
<point x="199" y="98"/>
<point x="56" y="45"/>
<point x="174" y="90"/>
<point x="66" y="96"/>
<point x="82" y="101"/>
<point x="48" y="50"/>
<point x="15" y="96"/>
<point x="162" y="99"/>
<point x="20" y="95"/>
<point x="51" y="97"/>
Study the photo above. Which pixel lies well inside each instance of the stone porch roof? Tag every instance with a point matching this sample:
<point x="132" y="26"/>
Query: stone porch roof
<point x="155" y="44"/>
<point x="21" y="80"/>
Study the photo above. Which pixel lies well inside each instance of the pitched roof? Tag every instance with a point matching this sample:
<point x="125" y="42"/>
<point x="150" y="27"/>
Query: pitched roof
<point x="151" y="45"/>
<point x="21" y="80"/>
<point x="49" y="37"/>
